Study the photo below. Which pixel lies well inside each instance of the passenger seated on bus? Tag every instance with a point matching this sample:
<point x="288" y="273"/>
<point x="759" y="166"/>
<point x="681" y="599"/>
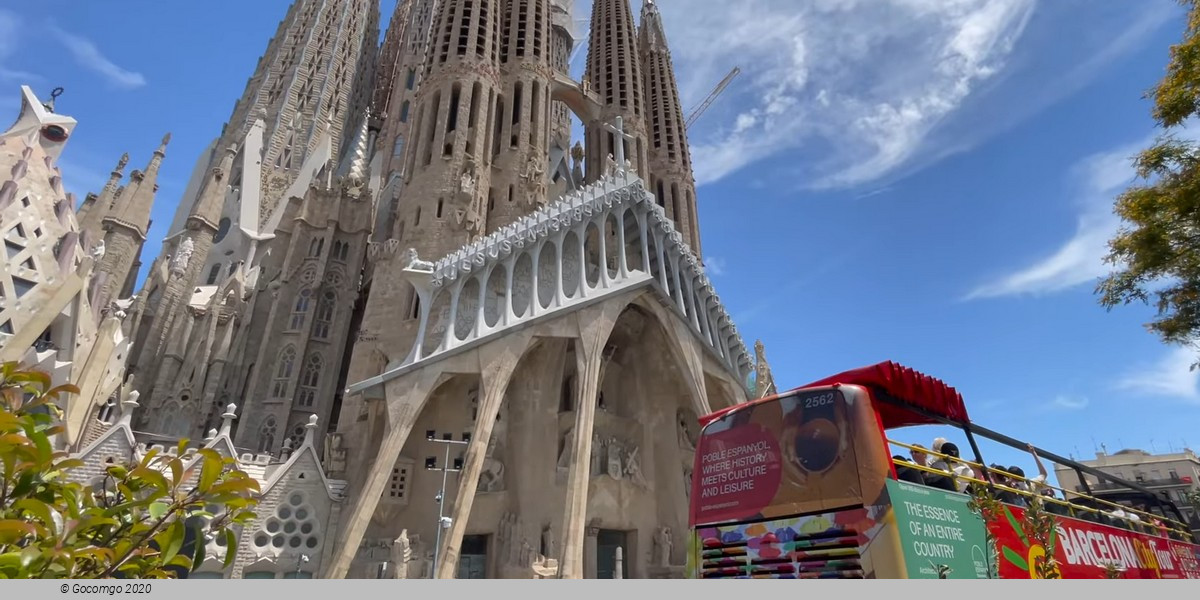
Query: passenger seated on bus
<point x="952" y="465"/>
<point x="1051" y="506"/>
<point x="1004" y="495"/>
<point x="906" y="473"/>
<point x="1031" y="485"/>
<point x="919" y="457"/>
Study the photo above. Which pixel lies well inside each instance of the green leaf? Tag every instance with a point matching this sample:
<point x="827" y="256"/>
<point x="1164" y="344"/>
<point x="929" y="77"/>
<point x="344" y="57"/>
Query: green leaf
<point x="209" y="473"/>
<point x="176" y="471"/>
<point x="38" y="509"/>
<point x="12" y="531"/>
<point x="173" y="541"/>
<point x="157" y="509"/>
<point x="230" y="547"/>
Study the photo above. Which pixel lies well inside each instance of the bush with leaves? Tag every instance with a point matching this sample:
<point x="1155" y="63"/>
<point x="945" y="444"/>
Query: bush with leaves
<point x="135" y="521"/>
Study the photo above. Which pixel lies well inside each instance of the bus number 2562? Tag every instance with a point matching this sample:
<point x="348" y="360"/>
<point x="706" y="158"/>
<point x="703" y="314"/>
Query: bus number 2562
<point x="818" y="401"/>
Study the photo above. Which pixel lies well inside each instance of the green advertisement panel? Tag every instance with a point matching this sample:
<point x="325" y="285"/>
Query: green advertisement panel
<point x="938" y="533"/>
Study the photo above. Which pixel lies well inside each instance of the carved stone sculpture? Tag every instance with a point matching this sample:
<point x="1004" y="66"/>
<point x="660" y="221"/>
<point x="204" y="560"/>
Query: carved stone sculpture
<point x="662" y="547"/>
<point x="98" y="251"/>
<point x="467" y="184"/>
<point x="610" y="166"/>
<point x="535" y="182"/>
<point x="615" y="464"/>
<point x="597" y="455"/>
<point x="401" y="555"/>
<point x="416" y="264"/>
<point x="633" y="470"/>
<point x="491" y="477"/>
<point x="180" y="263"/>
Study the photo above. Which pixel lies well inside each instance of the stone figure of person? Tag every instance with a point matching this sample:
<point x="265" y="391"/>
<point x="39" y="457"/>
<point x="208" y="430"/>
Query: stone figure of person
<point x="467" y="184"/>
<point x="662" y="547"/>
<point x="183" y="256"/>
<point x="633" y="470"/>
<point x="401" y="555"/>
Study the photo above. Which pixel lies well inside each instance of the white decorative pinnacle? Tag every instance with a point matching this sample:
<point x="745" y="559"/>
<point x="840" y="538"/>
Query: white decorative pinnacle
<point x="227" y="419"/>
<point x="310" y="429"/>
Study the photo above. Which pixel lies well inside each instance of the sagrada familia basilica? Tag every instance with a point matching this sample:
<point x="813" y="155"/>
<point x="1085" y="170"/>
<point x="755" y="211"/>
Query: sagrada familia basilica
<point x="394" y="268"/>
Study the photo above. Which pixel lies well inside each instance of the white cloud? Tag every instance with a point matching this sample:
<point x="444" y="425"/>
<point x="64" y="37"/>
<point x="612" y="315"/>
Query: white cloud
<point x="1099" y="179"/>
<point x="866" y="80"/>
<point x="715" y="266"/>
<point x="90" y="57"/>
<point x="1170" y="377"/>
<point x="1069" y="402"/>
<point x="10" y="32"/>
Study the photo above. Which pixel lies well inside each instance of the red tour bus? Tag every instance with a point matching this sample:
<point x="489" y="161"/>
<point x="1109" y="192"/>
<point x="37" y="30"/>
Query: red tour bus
<point x="802" y="486"/>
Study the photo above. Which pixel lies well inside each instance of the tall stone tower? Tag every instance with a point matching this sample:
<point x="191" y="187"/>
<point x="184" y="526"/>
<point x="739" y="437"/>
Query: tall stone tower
<point x="314" y="79"/>
<point x="211" y="305"/>
<point x="614" y="72"/>
<point x="184" y="269"/>
<point x="670" y="176"/>
<point x="124" y="225"/>
<point x="521" y="135"/>
<point x="401" y="69"/>
<point x="457" y="129"/>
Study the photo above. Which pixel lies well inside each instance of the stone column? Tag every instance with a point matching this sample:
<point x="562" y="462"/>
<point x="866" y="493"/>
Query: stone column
<point x="595" y="326"/>
<point x="403" y="410"/>
<point x="500" y="359"/>
<point x="591" y="553"/>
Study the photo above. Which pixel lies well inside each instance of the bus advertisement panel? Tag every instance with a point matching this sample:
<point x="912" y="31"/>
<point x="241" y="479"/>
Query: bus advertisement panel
<point x="803" y="454"/>
<point x="939" y="536"/>
<point x="1085" y="550"/>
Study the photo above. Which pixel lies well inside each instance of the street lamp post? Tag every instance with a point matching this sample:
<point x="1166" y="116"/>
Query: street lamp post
<point x="431" y="465"/>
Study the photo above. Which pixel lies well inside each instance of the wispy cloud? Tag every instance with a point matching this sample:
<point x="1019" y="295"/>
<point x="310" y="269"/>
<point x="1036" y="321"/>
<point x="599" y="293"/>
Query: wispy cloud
<point x="715" y="266"/>
<point x="1099" y="179"/>
<point x="88" y="55"/>
<point x="1170" y="377"/>
<point x="1069" y="402"/>
<point x="10" y="37"/>
<point x="862" y="81"/>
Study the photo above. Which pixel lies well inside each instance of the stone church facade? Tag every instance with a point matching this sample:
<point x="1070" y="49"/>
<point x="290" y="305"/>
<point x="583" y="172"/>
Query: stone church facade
<point x="386" y="246"/>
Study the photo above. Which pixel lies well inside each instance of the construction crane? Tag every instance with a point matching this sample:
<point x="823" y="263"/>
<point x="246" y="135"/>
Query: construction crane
<point x="699" y="112"/>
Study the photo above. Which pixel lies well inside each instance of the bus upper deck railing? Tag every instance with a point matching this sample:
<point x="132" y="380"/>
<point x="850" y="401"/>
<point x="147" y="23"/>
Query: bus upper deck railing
<point x="1151" y="523"/>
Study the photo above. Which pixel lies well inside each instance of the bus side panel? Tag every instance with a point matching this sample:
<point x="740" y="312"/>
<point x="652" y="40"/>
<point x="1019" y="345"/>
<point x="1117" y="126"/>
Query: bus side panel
<point x="848" y="544"/>
<point x="1085" y="550"/>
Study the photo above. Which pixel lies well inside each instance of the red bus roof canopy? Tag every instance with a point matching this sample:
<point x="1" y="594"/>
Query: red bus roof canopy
<point x="902" y="383"/>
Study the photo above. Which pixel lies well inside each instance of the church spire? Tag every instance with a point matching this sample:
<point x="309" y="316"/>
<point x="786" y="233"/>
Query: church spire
<point x="95" y="208"/>
<point x="207" y="210"/>
<point x="670" y="176"/>
<point x="356" y="164"/>
<point x="134" y="211"/>
<point x="614" y="72"/>
<point x="124" y="228"/>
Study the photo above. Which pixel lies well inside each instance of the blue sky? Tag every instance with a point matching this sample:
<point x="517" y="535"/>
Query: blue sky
<point x="926" y="181"/>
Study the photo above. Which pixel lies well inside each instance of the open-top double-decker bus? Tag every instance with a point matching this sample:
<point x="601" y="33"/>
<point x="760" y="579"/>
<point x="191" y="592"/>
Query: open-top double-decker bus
<point x="803" y="485"/>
